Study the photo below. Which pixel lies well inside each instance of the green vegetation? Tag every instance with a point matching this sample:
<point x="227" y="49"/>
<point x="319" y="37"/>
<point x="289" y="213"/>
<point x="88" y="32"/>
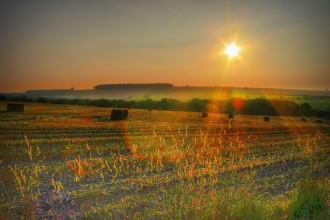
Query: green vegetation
<point x="308" y="202"/>
<point x="236" y="105"/>
<point x="71" y="162"/>
<point x="317" y="103"/>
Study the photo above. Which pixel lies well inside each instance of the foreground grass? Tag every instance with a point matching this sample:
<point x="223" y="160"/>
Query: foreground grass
<point x="66" y="162"/>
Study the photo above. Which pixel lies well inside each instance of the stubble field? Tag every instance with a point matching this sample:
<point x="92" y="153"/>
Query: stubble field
<point x="72" y="162"/>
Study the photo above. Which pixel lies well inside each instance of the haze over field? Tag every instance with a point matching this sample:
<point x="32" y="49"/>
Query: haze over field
<point x="59" y="45"/>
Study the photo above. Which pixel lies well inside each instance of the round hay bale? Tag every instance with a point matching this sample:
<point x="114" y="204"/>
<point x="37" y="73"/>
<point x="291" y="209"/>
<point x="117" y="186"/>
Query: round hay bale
<point x="230" y="116"/>
<point x="266" y="118"/>
<point x="319" y="121"/>
<point x="205" y="115"/>
<point x="15" y="107"/>
<point x="117" y="114"/>
<point x="303" y="119"/>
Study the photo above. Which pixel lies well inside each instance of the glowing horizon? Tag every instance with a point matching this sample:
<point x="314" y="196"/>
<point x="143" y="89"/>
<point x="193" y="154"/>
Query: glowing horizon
<point x="63" y="45"/>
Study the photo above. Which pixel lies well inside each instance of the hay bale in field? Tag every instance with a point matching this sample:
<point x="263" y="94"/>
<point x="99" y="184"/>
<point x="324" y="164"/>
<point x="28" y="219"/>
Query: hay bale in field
<point x="303" y="119"/>
<point x="205" y="115"/>
<point x="230" y="116"/>
<point x="117" y="114"/>
<point x="15" y="107"/>
<point x="319" y="121"/>
<point x="266" y="118"/>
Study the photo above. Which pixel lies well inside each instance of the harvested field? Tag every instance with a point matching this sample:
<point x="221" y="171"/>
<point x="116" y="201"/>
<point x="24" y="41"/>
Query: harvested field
<point x="164" y="165"/>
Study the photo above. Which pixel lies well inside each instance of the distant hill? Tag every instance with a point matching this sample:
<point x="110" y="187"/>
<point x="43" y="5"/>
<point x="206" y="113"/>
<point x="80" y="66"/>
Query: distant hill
<point x="45" y="93"/>
<point x="158" y="91"/>
<point x="153" y="86"/>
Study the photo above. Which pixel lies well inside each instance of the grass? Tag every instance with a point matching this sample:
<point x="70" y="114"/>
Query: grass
<point x="322" y="104"/>
<point x="69" y="162"/>
<point x="308" y="201"/>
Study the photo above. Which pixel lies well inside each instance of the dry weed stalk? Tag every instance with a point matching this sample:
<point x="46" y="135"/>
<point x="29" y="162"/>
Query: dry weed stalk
<point x="29" y="148"/>
<point x="19" y="178"/>
<point x="56" y="185"/>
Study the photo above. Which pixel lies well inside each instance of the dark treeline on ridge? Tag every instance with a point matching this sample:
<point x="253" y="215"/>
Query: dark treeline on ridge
<point x="156" y="86"/>
<point x="238" y="106"/>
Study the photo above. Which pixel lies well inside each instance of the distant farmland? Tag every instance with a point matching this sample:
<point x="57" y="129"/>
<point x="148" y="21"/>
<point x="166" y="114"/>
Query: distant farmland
<point x="318" y="100"/>
<point x="180" y="93"/>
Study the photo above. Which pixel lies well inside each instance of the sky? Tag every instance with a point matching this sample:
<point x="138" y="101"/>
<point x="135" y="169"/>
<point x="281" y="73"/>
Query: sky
<point x="63" y="44"/>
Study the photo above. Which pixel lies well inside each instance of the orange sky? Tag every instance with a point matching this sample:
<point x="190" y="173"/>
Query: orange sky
<point x="81" y="44"/>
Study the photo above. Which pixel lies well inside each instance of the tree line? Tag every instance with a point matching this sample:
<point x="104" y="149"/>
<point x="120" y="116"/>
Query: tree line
<point x="157" y="86"/>
<point x="259" y="106"/>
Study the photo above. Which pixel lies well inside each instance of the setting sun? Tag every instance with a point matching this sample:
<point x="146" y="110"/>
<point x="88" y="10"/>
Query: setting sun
<point x="232" y="50"/>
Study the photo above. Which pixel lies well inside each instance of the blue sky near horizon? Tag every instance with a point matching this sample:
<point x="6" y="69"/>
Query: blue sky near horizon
<point x="64" y="44"/>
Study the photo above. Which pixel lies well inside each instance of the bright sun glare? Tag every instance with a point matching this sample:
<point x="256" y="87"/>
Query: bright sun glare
<point x="232" y="50"/>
